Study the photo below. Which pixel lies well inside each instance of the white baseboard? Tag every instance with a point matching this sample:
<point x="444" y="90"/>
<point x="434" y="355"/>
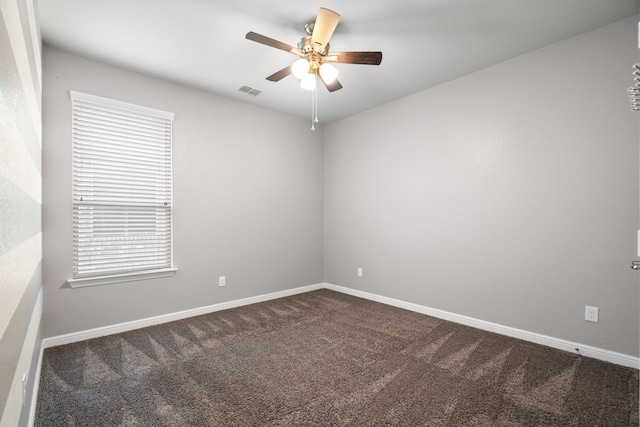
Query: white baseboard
<point x="584" y="350"/>
<point x="150" y="321"/>
<point x="36" y="388"/>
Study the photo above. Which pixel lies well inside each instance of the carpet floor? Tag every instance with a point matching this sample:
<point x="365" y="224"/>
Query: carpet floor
<point x="327" y="359"/>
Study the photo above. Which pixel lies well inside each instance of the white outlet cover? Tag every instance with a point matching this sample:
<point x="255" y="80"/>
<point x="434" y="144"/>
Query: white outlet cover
<point x="591" y="314"/>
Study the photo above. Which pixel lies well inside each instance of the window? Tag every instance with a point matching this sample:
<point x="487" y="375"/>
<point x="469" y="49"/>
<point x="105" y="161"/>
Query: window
<point x="122" y="202"/>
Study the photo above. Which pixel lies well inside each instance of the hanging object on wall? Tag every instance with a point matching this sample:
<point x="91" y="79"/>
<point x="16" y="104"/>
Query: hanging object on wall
<point x="315" y="58"/>
<point x="634" y="91"/>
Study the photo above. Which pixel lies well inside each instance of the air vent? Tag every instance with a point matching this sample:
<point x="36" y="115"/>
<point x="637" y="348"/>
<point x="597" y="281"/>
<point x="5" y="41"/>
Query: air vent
<point x="250" y="90"/>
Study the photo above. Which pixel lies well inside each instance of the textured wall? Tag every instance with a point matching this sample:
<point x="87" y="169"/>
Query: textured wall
<point x="247" y="199"/>
<point x="20" y="212"/>
<point x="509" y="195"/>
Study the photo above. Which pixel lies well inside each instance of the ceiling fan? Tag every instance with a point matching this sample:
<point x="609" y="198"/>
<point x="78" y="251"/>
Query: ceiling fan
<point x="315" y="57"/>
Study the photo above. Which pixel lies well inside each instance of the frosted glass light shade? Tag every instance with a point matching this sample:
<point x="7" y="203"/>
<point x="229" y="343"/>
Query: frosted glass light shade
<point x="328" y="73"/>
<point x="308" y="82"/>
<point x="300" y="68"/>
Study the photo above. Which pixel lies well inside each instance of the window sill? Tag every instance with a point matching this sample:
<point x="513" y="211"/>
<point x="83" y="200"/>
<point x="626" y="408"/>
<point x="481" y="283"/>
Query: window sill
<point x="119" y="278"/>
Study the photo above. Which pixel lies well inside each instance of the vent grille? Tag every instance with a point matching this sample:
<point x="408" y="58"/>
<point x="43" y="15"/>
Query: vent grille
<point x="250" y="90"/>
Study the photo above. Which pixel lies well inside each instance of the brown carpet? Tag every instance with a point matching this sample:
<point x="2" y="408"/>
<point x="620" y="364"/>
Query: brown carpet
<point x="327" y="359"/>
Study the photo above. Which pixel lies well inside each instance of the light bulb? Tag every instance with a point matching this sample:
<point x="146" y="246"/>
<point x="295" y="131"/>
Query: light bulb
<point x="308" y="82"/>
<point x="328" y="73"/>
<point x="300" y="68"/>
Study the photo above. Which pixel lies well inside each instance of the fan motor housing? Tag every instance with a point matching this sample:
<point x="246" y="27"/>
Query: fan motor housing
<point x="307" y="48"/>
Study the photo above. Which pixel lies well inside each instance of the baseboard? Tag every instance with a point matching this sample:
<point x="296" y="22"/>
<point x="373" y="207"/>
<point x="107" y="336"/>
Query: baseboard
<point x="584" y="350"/>
<point x="150" y="321"/>
<point x="36" y="388"/>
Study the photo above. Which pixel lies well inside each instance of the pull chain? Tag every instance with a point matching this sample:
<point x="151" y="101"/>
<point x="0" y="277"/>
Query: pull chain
<point x="315" y="97"/>
<point x="314" y="104"/>
<point x="312" y="111"/>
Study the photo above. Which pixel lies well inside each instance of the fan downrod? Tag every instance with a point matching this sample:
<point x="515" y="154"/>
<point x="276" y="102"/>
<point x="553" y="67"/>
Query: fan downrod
<point x="308" y="27"/>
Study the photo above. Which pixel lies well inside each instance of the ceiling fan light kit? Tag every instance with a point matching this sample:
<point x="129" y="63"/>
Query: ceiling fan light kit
<point x="300" y="68"/>
<point x="308" y="82"/>
<point x="315" y="57"/>
<point x="328" y="72"/>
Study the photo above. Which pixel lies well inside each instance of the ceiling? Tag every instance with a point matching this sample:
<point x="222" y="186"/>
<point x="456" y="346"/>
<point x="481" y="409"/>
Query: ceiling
<point x="201" y="43"/>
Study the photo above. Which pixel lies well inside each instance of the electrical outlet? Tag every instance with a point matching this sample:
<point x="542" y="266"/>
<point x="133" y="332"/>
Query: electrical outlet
<point x="591" y="314"/>
<point x="24" y="389"/>
<point x="222" y="281"/>
<point x="359" y="272"/>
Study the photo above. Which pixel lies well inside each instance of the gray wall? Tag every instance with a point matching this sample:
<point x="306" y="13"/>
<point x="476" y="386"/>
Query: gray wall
<point x="20" y="212"/>
<point x="247" y="196"/>
<point x="509" y="195"/>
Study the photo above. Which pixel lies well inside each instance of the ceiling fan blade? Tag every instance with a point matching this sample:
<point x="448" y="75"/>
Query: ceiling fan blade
<point x="365" y="58"/>
<point x="333" y="86"/>
<point x="279" y="75"/>
<point x="258" y="38"/>
<point x="323" y="29"/>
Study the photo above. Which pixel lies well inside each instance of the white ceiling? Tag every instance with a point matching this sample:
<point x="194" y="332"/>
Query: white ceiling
<point x="201" y="43"/>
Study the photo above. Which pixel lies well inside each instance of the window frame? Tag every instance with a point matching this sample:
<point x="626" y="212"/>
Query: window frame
<point x="118" y="276"/>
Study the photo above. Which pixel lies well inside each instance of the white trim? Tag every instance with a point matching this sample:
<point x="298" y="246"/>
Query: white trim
<point x="36" y="388"/>
<point x="150" y="321"/>
<point x="118" y="278"/>
<point x="582" y="349"/>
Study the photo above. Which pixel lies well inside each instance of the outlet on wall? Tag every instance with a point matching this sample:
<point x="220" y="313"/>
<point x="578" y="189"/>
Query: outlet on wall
<point x="222" y="281"/>
<point x="24" y="389"/>
<point x="359" y="272"/>
<point x="591" y="313"/>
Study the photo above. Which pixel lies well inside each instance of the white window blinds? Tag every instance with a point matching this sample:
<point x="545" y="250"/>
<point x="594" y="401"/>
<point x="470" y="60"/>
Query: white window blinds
<point x="121" y="187"/>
